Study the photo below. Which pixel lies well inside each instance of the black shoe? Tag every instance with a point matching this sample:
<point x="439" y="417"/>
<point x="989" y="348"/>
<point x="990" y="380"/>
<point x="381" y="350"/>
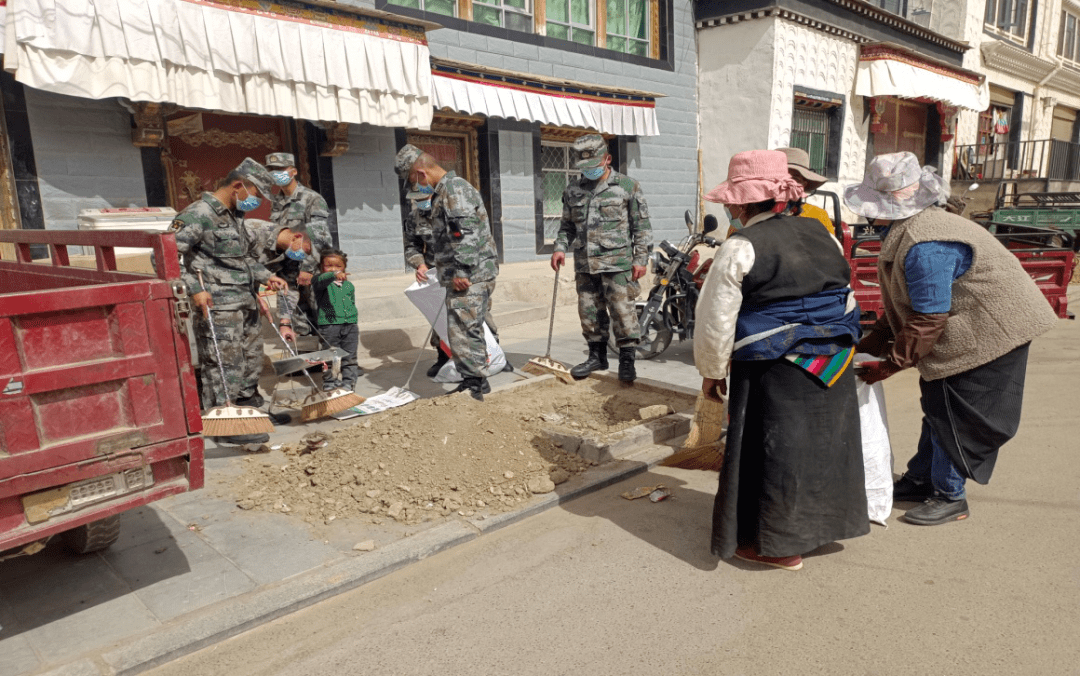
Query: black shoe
<point x="477" y="387"/>
<point x="243" y="439"/>
<point x="280" y="418"/>
<point x="509" y="368"/>
<point x="255" y="401"/>
<point x="907" y="490"/>
<point x="597" y="361"/>
<point x="937" y="510"/>
<point x="437" y="366"/>
<point x="627" y="372"/>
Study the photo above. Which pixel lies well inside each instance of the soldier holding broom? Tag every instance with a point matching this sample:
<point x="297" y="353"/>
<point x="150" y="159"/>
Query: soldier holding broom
<point x="211" y="240"/>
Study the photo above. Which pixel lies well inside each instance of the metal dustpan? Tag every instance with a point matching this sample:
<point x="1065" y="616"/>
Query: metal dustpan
<point x="300" y="362"/>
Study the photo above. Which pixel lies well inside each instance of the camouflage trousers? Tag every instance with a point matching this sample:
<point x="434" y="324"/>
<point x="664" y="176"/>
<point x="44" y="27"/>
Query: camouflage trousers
<point x="465" y="314"/>
<point x="607" y="300"/>
<point x="241" y="353"/>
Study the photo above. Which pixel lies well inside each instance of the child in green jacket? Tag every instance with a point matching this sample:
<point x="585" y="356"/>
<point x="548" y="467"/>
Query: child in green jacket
<point x="335" y="298"/>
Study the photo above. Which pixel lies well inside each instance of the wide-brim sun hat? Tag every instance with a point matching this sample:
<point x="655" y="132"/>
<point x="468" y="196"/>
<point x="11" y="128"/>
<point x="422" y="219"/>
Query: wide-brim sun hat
<point x="894" y="187"/>
<point x="798" y="160"/>
<point x="757" y="176"/>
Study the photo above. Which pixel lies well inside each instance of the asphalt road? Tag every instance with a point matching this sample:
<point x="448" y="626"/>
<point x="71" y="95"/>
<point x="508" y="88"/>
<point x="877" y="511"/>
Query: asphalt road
<point x="606" y="586"/>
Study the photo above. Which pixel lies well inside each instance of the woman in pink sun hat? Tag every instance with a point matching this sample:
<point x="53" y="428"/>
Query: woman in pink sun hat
<point x="778" y="308"/>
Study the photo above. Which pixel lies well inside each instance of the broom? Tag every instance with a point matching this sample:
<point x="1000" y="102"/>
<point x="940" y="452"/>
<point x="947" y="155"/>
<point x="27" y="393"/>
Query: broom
<point x="230" y="420"/>
<point x="704" y="446"/>
<point x="539" y="366"/>
<point x="319" y="404"/>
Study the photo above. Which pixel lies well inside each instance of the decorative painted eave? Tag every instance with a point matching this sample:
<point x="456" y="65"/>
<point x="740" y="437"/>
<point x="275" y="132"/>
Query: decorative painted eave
<point x="864" y="13"/>
<point x="1015" y="60"/>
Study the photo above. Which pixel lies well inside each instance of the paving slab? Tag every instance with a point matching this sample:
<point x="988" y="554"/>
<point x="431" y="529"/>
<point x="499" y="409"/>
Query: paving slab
<point x="17" y="656"/>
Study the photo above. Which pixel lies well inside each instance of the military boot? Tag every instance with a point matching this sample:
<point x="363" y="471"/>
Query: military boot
<point x="597" y="361"/>
<point x="440" y="360"/>
<point x="477" y="387"/>
<point x="627" y="372"/>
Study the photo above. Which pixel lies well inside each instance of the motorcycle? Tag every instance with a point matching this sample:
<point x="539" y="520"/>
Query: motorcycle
<point x="669" y="309"/>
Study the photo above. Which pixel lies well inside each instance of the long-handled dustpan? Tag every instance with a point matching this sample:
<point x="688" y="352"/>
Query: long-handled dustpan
<point x="319" y="404"/>
<point x="230" y="420"/>
<point x="539" y="366"/>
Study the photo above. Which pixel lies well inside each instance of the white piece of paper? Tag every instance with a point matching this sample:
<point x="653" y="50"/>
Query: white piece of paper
<point x="392" y="398"/>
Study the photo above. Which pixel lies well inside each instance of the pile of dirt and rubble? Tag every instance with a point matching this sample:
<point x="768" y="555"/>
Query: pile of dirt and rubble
<point x="444" y="455"/>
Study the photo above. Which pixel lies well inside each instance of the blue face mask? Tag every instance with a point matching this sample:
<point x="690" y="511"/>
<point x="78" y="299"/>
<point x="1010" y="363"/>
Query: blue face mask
<point x="593" y="173"/>
<point x="423" y="189"/>
<point x="295" y="255"/>
<point x="249" y="203"/>
<point x="735" y="223"/>
<point x="281" y="178"/>
<point x="425" y="205"/>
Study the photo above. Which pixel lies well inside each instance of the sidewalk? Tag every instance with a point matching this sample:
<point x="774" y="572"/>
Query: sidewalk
<point x="194" y="569"/>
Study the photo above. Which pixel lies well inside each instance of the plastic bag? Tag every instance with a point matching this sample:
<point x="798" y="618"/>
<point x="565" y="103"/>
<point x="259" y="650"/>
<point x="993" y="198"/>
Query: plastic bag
<point x="496" y="362"/>
<point x="877" y="451"/>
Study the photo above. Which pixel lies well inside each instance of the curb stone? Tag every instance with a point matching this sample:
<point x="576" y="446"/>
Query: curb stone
<point x="216" y="623"/>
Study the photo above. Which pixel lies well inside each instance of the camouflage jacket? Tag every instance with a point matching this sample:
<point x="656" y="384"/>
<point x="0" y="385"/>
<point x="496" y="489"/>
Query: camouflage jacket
<point x="461" y="233"/>
<point x="264" y="235"/>
<point x="211" y="237"/>
<point x="305" y="211"/>
<point x="419" y="240"/>
<point x="607" y="221"/>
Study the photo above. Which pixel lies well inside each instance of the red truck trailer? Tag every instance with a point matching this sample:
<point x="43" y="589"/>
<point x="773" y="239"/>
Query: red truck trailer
<point x="99" y="411"/>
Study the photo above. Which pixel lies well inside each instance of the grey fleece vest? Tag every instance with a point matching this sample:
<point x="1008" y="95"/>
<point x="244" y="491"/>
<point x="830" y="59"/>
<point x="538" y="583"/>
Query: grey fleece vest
<point x="996" y="306"/>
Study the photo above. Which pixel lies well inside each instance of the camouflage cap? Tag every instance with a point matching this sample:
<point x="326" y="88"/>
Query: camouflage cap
<point x="253" y="172"/>
<point x="280" y="160"/>
<point x="405" y="160"/>
<point x="589" y="150"/>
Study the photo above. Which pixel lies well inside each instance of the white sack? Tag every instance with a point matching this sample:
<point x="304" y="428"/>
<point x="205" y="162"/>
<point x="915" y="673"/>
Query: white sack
<point x="877" y="451"/>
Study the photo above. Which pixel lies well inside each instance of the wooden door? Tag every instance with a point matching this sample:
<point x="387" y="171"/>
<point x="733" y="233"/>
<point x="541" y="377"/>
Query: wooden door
<point x="904" y="130"/>
<point x="203" y="148"/>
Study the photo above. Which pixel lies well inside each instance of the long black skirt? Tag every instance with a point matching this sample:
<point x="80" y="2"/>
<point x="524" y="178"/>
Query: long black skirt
<point x="793" y="469"/>
<point x="975" y="412"/>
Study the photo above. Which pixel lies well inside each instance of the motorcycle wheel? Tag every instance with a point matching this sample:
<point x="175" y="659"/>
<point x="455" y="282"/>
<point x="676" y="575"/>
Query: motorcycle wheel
<point x="654" y="340"/>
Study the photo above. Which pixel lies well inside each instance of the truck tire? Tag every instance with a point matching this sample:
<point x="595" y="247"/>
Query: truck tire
<point x="94" y="536"/>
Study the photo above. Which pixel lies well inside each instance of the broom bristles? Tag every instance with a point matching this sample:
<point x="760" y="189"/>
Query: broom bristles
<point x="328" y="403"/>
<point x="229" y="421"/>
<point x="542" y="366"/>
<point x="709" y="458"/>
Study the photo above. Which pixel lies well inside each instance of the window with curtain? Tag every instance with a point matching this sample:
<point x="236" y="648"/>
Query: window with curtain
<point x="513" y="14"/>
<point x="572" y="20"/>
<point x="1068" y="48"/>
<point x="893" y="6"/>
<point x="1010" y="19"/>
<point x="445" y="7"/>
<point x="556" y="175"/>
<point x="628" y="26"/>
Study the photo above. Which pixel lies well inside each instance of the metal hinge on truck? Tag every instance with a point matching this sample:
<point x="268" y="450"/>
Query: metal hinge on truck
<point x="182" y="307"/>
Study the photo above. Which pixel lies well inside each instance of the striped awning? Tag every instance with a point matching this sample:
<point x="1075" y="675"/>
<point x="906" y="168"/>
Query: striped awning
<point x="469" y="89"/>
<point x="890" y="70"/>
<point x="303" y="60"/>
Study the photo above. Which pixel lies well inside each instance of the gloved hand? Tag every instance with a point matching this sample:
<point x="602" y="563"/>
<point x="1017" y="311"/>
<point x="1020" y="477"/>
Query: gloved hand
<point x="871" y="372"/>
<point x="916" y="338"/>
<point x="876" y="341"/>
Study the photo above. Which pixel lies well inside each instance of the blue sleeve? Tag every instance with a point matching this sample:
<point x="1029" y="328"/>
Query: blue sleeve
<point x="930" y="269"/>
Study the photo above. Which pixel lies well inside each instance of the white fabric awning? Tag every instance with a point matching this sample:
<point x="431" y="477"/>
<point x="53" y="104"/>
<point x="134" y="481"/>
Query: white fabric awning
<point x="885" y="71"/>
<point x="230" y="55"/>
<point x="514" y="98"/>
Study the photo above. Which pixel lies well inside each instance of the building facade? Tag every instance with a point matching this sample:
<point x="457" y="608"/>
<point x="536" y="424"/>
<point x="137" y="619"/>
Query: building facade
<point x="843" y="79"/>
<point x="164" y="97"/>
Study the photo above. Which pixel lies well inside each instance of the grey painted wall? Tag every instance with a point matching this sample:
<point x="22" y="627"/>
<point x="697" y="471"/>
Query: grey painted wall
<point x="84" y="156"/>
<point x="518" y="195"/>
<point x="368" y="207"/>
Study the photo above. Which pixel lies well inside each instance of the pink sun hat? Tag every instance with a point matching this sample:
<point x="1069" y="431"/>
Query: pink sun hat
<point x="757" y="176"/>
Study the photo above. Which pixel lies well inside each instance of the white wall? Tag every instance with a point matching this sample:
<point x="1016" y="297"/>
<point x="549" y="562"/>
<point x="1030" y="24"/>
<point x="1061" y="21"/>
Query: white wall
<point x="84" y="156"/>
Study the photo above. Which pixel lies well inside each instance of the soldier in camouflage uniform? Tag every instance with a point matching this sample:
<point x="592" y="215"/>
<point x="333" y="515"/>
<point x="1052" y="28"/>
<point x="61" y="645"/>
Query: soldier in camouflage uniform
<point x="282" y="251"/>
<point x="465" y="258"/>
<point x="303" y="211"/>
<point x="211" y="239"/>
<point x="606" y="219"/>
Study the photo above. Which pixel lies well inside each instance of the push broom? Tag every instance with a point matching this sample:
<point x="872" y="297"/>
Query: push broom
<point x="704" y="446"/>
<point x="539" y="366"/>
<point x="319" y="404"/>
<point x="230" y="420"/>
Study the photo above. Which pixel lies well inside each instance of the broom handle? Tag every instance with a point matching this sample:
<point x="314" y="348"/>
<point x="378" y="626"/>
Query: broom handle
<point x="551" y="322"/>
<point x="217" y="350"/>
<point x="284" y="297"/>
<point x="426" y="341"/>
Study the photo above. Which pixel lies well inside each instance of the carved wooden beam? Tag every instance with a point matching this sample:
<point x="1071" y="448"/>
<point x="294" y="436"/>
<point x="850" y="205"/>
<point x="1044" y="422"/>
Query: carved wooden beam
<point x="337" y="140"/>
<point x="149" y="131"/>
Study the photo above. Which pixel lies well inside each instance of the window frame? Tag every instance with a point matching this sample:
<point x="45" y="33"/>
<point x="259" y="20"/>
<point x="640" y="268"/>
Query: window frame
<point x="834" y="105"/>
<point x="992" y="19"/>
<point x="594" y="22"/>
<point x="1069" y="12"/>
<point x="571" y="174"/>
<point x="880" y="4"/>
<point x="650" y="11"/>
<point x="530" y="12"/>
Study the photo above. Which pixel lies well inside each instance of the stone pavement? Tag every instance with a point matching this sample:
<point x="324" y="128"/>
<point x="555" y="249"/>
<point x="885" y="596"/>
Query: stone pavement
<point x="193" y="569"/>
